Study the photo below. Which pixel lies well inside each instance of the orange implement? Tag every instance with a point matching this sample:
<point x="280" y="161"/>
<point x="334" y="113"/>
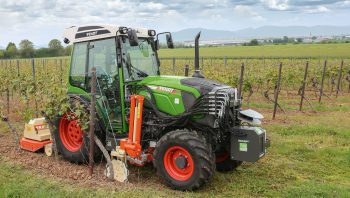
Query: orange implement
<point x="33" y="145"/>
<point x="132" y="145"/>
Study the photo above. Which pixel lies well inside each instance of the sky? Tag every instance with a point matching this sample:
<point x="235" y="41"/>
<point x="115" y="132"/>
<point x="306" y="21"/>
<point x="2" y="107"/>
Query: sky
<point x="42" y="20"/>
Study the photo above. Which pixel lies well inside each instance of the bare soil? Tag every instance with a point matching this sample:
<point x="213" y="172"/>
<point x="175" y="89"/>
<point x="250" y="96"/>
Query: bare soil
<point x="45" y="166"/>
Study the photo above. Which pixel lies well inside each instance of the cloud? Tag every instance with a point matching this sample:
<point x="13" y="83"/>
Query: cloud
<point x="247" y="11"/>
<point x="276" y="4"/>
<point x="318" y="9"/>
<point x="245" y="2"/>
<point x="313" y="2"/>
<point x="304" y="6"/>
<point x="41" y="20"/>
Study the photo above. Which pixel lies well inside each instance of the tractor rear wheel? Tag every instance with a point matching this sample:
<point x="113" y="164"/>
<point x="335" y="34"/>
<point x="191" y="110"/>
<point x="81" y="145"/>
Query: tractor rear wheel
<point x="184" y="160"/>
<point x="71" y="140"/>
<point x="224" y="163"/>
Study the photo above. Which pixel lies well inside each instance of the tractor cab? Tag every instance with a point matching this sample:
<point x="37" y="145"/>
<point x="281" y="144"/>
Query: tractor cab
<point x="121" y="56"/>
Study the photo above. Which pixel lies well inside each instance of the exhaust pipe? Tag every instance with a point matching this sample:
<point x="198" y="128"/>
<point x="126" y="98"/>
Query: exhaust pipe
<point x="197" y="72"/>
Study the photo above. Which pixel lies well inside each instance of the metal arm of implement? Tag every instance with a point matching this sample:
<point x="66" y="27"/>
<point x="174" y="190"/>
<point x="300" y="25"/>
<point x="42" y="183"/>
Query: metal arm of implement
<point x="132" y="145"/>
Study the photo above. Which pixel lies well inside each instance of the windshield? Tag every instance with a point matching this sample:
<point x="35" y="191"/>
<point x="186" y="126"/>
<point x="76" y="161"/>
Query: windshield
<point x="140" y="60"/>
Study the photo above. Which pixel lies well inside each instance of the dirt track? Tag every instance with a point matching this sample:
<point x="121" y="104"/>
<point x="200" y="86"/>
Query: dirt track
<point x="45" y="166"/>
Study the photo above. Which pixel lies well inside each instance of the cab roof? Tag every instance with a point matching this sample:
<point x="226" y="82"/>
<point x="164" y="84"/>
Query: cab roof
<point x="76" y="34"/>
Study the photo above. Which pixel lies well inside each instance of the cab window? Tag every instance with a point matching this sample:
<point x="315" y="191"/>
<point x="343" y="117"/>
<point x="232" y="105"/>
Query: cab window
<point x="78" y="66"/>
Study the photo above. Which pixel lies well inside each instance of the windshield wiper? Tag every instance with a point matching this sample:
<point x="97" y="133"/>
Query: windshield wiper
<point x="139" y="72"/>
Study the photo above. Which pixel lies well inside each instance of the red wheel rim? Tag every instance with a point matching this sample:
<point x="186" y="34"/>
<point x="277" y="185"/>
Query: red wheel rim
<point x="180" y="173"/>
<point x="222" y="157"/>
<point x="70" y="133"/>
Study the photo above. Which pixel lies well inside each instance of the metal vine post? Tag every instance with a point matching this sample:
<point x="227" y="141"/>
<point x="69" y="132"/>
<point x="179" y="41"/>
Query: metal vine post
<point x="277" y="90"/>
<point x="339" y="78"/>
<point x="241" y="82"/>
<point x="303" y="86"/>
<point x="322" y="81"/>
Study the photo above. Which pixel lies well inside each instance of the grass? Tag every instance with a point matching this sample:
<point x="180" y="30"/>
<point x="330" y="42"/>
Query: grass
<point x="19" y="182"/>
<point x="309" y="157"/>
<point x="290" y="50"/>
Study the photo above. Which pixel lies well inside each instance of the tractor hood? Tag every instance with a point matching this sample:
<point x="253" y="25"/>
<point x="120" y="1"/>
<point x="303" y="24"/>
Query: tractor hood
<point x="196" y="86"/>
<point x="175" y="94"/>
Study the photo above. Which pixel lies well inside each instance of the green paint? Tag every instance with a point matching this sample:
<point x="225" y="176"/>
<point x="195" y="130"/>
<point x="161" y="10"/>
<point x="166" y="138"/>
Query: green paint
<point x="170" y="82"/>
<point x="243" y="146"/>
<point x="167" y="93"/>
<point x="122" y="99"/>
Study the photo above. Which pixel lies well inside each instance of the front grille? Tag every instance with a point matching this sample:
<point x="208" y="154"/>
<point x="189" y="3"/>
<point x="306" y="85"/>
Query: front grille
<point x="219" y="100"/>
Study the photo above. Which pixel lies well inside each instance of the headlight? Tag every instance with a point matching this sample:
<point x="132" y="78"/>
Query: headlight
<point x="151" y="32"/>
<point x="250" y="116"/>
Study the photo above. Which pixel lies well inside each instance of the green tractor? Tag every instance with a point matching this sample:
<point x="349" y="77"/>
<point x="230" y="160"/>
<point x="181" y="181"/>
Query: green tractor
<point x="190" y="126"/>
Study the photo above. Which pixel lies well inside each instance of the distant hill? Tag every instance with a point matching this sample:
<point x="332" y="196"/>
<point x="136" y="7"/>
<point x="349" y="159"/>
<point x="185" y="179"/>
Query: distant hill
<point x="261" y="32"/>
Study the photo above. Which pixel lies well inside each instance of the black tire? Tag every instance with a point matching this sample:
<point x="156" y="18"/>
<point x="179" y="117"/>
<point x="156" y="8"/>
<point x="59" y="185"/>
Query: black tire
<point x="224" y="162"/>
<point x="82" y="154"/>
<point x="197" y="156"/>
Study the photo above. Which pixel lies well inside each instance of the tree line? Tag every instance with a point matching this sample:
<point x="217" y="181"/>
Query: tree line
<point x="26" y="50"/>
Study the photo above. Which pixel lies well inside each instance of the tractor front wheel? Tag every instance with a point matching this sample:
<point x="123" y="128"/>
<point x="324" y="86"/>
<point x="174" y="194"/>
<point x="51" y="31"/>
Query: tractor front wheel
<point x="184" y="160"/>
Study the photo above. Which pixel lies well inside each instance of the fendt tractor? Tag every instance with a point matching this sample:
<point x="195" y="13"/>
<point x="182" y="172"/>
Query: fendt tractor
<point x="188" y="127"/>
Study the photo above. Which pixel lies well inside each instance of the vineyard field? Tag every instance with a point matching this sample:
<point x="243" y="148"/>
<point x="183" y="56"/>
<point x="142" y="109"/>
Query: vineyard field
<point x="31" y="78"/>
<point x="290" y="50"/>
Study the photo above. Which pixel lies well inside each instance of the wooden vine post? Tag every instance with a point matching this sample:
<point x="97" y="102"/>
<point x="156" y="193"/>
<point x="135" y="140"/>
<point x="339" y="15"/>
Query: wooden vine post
<point x="17" y="68"/>
<point x="35" y="101"/>
<point x="61" y="70"/>
<point x="277" y="90"/>
<point x="303" y="86"/>
<point x="339" y="78"/>
<point x="8" y="100"/>
<point x="322" y="81"/>
<point x="186" y="70"/>
<point x="174" y="63"/>
<point x="202" y="63"/>
<point x="92" y="120"/>
<point x="241" y="82"/>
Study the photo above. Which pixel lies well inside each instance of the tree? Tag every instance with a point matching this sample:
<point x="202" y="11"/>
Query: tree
<point x="55" y="44"/>
<point x="285" y="39"/>
<point x="254" y="42"/>
<point x="2" y="54"/>
<point x="26" y="48"/>
<point x="11" y="50"/>
<point x="299" y="40"/>
<point x="42" y="52"/>
<point x="68" y="50"/>
<point x="55" y="47"/>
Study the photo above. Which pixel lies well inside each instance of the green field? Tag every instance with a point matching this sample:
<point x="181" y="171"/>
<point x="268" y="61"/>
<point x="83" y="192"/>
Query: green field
<point x="290" y="50"/>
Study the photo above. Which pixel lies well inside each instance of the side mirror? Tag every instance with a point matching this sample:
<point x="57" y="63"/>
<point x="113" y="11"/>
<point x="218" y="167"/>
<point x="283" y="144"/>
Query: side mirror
<point x="169" y="41"/>
<point x="157" y="44"/>
<point x="133" y="40"/>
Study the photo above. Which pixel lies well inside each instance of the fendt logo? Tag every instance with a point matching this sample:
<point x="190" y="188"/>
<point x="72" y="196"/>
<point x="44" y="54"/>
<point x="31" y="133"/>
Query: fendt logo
<point x="91" y="33"/>
<point x="165" y="89"/>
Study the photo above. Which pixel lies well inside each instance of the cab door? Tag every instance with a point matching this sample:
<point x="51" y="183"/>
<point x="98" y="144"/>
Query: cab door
<point x="100" y="54"/>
